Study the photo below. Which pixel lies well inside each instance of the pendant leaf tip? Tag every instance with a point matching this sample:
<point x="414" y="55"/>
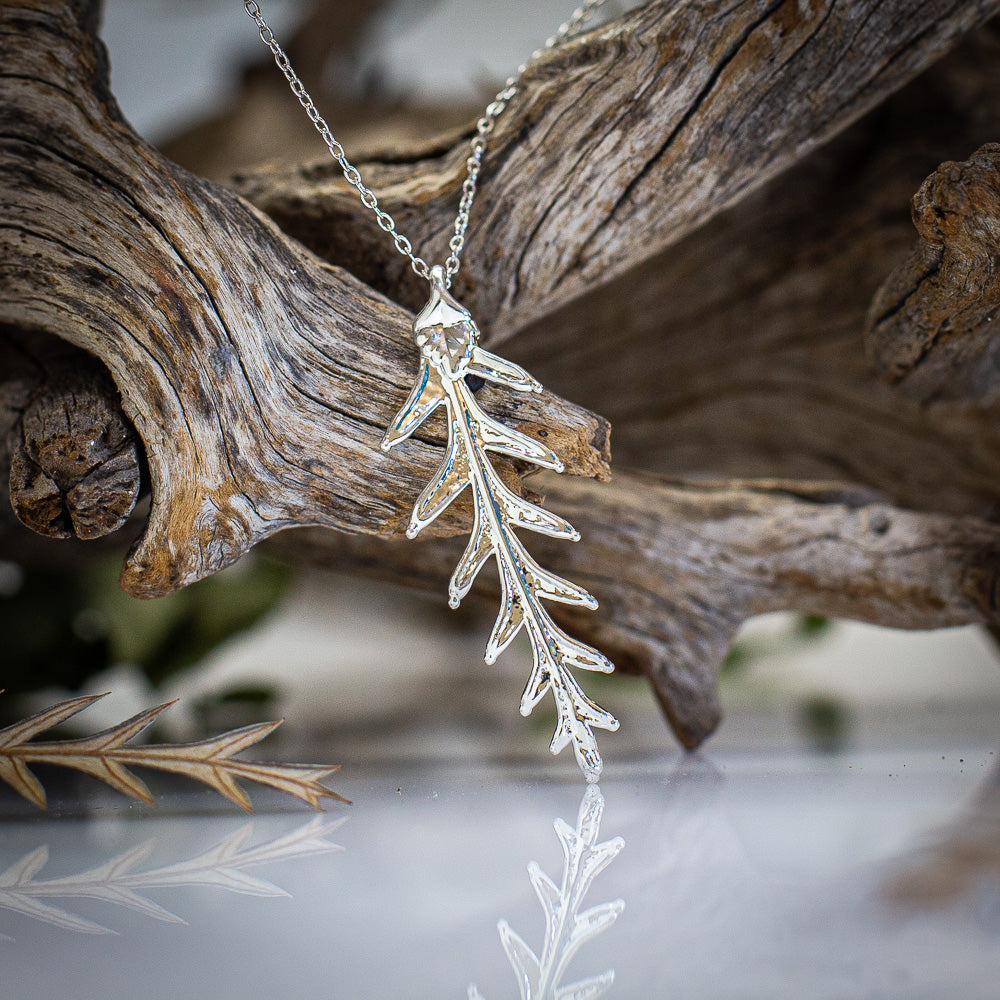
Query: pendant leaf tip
<point x="590" y="760"/>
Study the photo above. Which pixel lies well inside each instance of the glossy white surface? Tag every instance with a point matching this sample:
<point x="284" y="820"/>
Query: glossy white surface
<point x="784" y="875"/>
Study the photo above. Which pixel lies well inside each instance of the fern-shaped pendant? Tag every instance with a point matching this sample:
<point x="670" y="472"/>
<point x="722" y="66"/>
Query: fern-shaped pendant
<point x="449" y="352"/>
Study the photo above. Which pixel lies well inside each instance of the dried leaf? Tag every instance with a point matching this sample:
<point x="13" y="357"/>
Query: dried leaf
<point x="108" y="755"/>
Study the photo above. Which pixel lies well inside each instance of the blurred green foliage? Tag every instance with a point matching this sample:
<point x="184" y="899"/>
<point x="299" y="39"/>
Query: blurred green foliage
<point x="812" y="626"/>
<point x="743" y="652"/>
<point x="61" y="628"/>
<point x="48" y="638"/>
<point x="824" y="720"/>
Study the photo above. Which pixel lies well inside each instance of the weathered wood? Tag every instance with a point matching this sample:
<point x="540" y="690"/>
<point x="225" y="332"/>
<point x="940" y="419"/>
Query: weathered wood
<point x="75" y="461"/>
<point x="759" y="314"/>
<point x="933" y="330"/>
<point x="258" y="378"/>
<point x="678" y="567"/>
<point x="740" y="351"/>
<point x="620" y="143"/>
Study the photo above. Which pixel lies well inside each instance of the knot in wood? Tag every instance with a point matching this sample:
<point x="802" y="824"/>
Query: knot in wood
<point x="75" y="459"/>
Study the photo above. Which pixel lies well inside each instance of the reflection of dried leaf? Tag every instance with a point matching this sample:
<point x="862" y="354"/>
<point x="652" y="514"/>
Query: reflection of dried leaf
<point x="566" y="929"/>
<point x="108" y="755"/>
<point x="117" y="882"/>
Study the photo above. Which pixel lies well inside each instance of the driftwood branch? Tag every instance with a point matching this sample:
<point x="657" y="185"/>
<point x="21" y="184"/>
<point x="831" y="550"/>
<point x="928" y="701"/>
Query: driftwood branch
<point x="743" y="346"/>
<point x="933" y="330"/>
<point x="659" y="234"/>
<point x="258" y="377"/>
<point x="75" y="462"/>
<point x="621" y="143"/>
<point x="677" y="569"/>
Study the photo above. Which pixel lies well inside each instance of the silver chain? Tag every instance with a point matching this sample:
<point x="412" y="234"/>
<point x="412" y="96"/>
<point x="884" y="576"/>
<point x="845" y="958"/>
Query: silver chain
<point x="477" y="147"/>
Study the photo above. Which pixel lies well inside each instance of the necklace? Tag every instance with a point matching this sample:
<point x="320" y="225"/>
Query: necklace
<point x="448" y="340"/>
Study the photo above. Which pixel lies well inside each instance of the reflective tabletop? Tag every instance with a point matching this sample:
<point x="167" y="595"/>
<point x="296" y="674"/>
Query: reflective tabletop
<point x="729" y="874"/>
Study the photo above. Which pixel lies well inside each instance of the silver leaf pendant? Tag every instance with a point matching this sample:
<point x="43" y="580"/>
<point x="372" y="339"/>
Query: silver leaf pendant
<point x="449" y="351"/>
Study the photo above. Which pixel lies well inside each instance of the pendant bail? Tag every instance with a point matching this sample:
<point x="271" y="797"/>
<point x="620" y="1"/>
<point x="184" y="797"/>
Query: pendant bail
<point x="444" y="329"/>
<point x="439" y="278"/>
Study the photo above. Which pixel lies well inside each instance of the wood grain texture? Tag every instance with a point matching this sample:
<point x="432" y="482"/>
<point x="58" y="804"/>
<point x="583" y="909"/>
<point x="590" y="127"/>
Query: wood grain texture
<point x="678" y="567"/>
<point x="742" y="349"/>
<point x="75" y="461"/>
<point x="665" y="231"/>
<point x="620" y="143"/>
<point x="932" y="330"/>
<point x="258" y="377"/>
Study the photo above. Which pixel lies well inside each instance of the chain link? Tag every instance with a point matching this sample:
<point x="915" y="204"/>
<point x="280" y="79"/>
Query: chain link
<point x="477" y="147"/>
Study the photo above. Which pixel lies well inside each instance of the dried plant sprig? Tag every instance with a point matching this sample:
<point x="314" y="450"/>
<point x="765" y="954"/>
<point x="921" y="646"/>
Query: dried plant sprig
<point x="117" y="882"/>
<point x="108" y="755"/>
<point x="566" y="929"/>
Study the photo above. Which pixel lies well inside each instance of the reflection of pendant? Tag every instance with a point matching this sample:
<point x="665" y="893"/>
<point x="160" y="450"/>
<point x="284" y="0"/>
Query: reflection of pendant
<point x="567" y="930"/>
<point x="449" y="351"/>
